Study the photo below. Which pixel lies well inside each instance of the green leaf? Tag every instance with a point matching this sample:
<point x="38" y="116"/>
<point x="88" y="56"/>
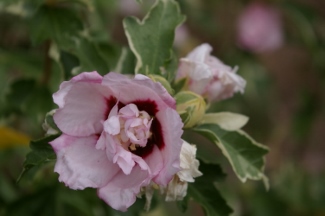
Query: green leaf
<point x="152" y="38"/>
<point x="68" y="62"/>
<point x="179" y="85"/>
<point x="110" y="52"/>
<point x="50" y="125"/>
<point x="163" y="82"/>
<point x="226" y="120"/>
<point x="191" y="107"/>
<point x="244" y="154"/>
<point x="183" y="204"/>
<point x="301" y="19"/>
<point x="87" y="4"/>
<point x="126" y="62"/>
<point x="30" y="63"/>
<point x="21" y="7"/>
<point x="41" y="152"/>
<point x="38" y="102"/>
<point x="19" y="92"/>
<point x="61" y="25"/>
<point x="39" y="202"/>
<point x="8" y="2"/>
<point x="84" y="54"/>
<point x="204" y="192"/>
<point x="26" y="96"/>
<point x="90" y="57"/>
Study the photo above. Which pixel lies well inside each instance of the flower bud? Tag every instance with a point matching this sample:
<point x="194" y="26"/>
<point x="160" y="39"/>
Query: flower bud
<point x="191" y="107"/>
<point x="206" y="75"/>
<point x="162" y="81"/>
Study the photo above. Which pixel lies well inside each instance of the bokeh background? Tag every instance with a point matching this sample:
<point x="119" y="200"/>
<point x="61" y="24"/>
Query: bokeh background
<point x="278" y="46"/>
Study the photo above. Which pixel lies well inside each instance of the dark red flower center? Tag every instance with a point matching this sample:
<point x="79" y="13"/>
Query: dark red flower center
<point x="151" y="108"/>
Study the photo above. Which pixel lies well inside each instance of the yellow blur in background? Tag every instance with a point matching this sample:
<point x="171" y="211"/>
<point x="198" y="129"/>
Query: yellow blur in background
<point x="11" y="137"/>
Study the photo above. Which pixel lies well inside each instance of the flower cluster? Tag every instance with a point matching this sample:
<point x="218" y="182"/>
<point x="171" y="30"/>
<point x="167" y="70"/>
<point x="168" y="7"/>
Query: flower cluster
<point x="122" y="135"/>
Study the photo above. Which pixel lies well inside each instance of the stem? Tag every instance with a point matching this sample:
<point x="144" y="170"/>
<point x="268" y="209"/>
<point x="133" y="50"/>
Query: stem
<point x="47" y="71"/>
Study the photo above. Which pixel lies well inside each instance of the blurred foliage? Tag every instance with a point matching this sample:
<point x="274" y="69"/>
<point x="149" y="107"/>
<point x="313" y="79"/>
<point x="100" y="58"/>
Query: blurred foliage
<point x="43" y="42"/>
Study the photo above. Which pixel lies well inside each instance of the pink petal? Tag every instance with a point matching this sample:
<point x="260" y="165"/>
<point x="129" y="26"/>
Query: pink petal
<point x="90" y="77"/>
<point x="84" y="110"/>
<point x="129" y="110"/>
<point x="80" y="164"/>
<point x="114" y="110"/>
<point x="142" y="90"/>
<point x="195" y="70"/>
<point x="107" y="142"/>
<point x="172" y="131"/>
<point x="155" y="161"/>
<point x="158" y="88"/>
<point x="200" y="53"/>
<point x="217" y="65"/>
<point x="124" y="159"/>
<point x="200" y="86"/>
<point x="120" y="193"/>
<point x="112" y="125"/>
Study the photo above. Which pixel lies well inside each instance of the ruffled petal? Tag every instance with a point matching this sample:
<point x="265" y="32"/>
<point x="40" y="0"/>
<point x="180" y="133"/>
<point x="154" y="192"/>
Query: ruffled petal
<point x="158" y="88"/>
<point x="80" y="164"/>
<point x="200" y="53"/>
<point x="142" y="90"/>
<point x="124" y="160"/>
<point x="120" y="193"/>
<point x="112" y="125"/>
<point x="200" y="86"/>
<point x="176" y="189"/>
<point x="84" y="111"/>
<point x="189" y="163"/>
<point x="227" y="84"/>
<point x="90" y="77"/>
<point x="155" y="161"/>
<point x="172" y="131"/>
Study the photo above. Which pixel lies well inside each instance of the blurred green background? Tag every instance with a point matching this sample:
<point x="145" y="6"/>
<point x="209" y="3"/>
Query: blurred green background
<point x="43" y="43"/>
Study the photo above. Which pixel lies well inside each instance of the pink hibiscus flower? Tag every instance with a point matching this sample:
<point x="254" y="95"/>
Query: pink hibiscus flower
<point x="118" y="135"/>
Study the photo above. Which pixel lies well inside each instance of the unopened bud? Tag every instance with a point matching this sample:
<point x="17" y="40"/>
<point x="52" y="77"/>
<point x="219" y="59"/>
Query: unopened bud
<point x="191" y="107"/>
<point x="163" y="82"/>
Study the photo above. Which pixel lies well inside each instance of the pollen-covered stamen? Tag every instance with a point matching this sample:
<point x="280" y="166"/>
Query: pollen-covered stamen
<point x="133" y="126"/>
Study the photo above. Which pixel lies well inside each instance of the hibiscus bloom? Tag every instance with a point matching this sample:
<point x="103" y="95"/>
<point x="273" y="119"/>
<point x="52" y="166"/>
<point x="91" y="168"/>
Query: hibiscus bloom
<point x="118" y="135"/>
<point x="208" y="76"/>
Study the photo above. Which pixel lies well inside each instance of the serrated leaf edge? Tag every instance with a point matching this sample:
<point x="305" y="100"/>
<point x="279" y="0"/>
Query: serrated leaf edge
<point x="244" y="178"/>
<point x="139" y="63"/>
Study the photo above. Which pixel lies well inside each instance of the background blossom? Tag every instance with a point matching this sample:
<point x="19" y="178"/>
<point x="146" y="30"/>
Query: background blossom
<point x="259" y="28"/>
